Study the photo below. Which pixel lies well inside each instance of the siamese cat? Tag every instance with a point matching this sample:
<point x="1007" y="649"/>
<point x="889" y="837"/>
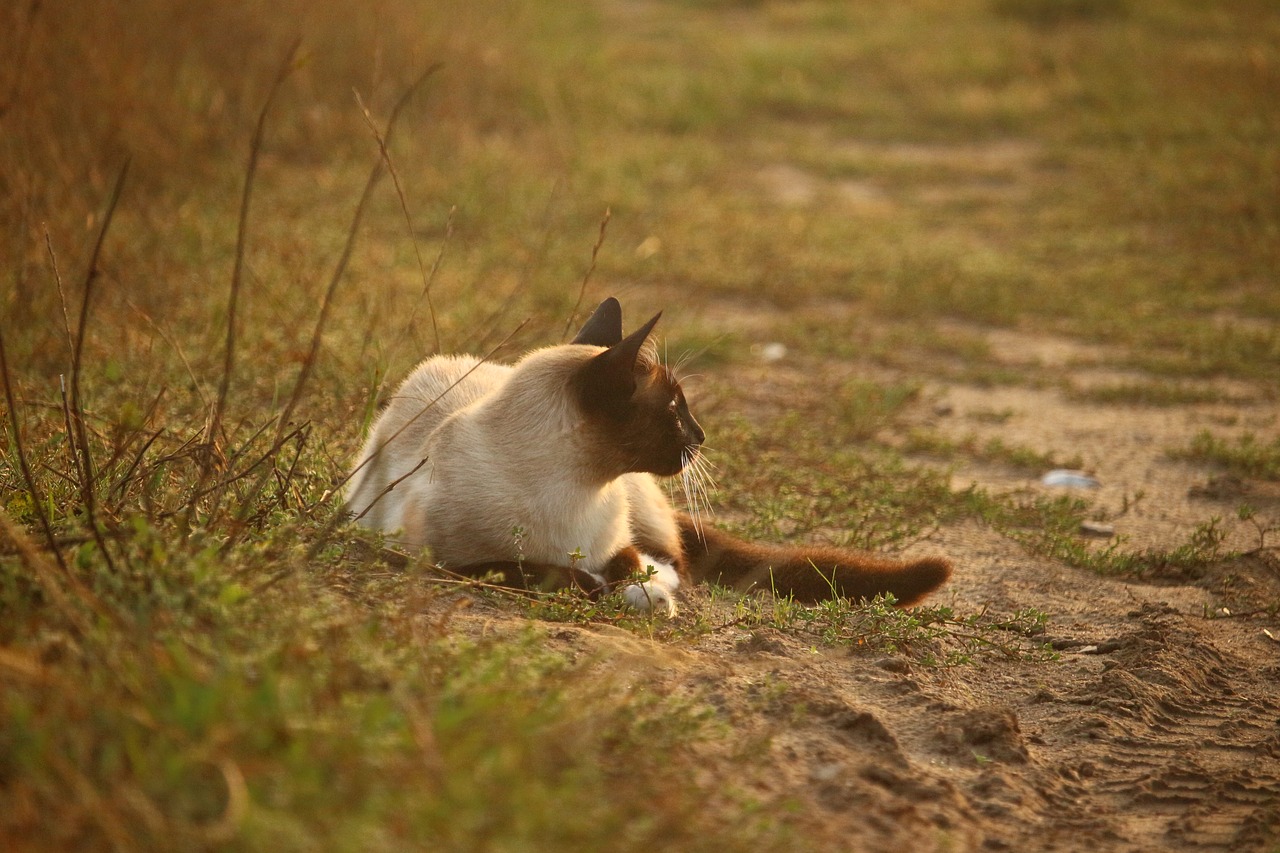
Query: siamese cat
<point x="544" y="472"/>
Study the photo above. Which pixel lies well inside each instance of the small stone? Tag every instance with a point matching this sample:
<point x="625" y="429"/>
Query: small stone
<point x="771" y="352"/>
<point x="1068" y="479"/>
<point x="1100" y="529"/>
<point x="898" y="665"/>
<point x="826" y="772"/>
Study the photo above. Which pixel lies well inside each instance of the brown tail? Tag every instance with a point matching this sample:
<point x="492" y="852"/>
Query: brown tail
<point x="807" y="573"/>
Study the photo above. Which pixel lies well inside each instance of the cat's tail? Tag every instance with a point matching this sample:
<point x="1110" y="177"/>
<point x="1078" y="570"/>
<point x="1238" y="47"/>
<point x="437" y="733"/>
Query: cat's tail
<point x="809" y="573"/>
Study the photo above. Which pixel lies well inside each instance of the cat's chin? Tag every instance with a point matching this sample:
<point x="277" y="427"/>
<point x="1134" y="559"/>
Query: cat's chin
<point x="670" y="468"/>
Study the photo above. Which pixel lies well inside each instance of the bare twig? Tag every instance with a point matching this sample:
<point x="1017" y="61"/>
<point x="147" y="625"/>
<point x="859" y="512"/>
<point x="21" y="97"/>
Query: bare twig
<point x="489" y="327"/>
<point x="25" y="548"/>
<point x="169" y="339"/>
<point x="237" y="476"/>
<point x="122" y="483"/>
<point x="46" y="576"/>
<point x="287" y="481"/>
<point x="381" y="447"/>
<point x="62" y="294"/>
<point x="77" y="406"/>
<point x="582" y="291"/>
<point x="381" y="139"/>
<point x="72" y="445"/>
<point x="33" y="490"/>
<point x="326" y="305"/>
<point x="338" y="517"/>
<point x="431" y="276"/>
<point x="122" y="447"/>
<point x="390" y="486"/>
<point x="215" y="423"/>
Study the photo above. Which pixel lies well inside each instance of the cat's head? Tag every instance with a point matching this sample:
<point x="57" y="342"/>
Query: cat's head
<point x="633" y="403"/>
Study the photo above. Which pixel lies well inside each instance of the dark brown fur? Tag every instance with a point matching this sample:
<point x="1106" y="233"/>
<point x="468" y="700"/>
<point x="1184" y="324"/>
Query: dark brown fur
<point x="638" y="416"/>
<point x="809" y="573"/>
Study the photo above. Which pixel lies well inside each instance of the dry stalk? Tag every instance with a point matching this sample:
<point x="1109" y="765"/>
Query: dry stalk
<point x="33" y="490"/>
<point x="582" y="291"/>
<point x="390" y="487"/>
<point x="28" y="551"/>
<point x="77" y="406"/>
<point x="488" y="357"/>
<point x="46" y="576"/>
<point x="237" y="271"/>
<point x="489" y="327"/>
<point x="174" y="345"/>
<point x="62" y="294"/>
<point x="427" y="278"/>
<point x="326" y="305"/>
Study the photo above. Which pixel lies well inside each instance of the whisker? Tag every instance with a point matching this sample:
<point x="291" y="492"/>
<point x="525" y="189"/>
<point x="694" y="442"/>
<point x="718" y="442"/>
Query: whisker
<point x="696" y="482"/>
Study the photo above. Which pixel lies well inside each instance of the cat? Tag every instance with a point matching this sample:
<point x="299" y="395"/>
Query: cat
<point x="545" y="472"/>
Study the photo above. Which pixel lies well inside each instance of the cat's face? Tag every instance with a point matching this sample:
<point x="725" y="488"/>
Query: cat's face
<point x="651" y="430"/>
<point x="634" y="406"/>
<point x="657" y="426"/>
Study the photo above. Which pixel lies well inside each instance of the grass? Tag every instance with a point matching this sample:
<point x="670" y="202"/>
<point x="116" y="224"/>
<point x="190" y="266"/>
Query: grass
<point x="993" y="450"/>
<point x="226" y="710"/>
<point x="193" y="654"/>
<point x="1248" y="455"/>
<point x="931" y="635"/>
<point x="1148" y="393"/>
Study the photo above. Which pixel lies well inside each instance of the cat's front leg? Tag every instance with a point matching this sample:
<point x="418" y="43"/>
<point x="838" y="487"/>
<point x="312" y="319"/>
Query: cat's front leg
<point x="656" y="592"/>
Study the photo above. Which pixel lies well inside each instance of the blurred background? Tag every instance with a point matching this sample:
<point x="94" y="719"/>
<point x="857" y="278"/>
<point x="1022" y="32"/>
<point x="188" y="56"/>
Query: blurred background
<point x="1102" y="168"/>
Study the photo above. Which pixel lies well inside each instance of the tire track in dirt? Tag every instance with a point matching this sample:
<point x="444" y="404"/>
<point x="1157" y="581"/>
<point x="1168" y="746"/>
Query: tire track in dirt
<point x="1192" y="755"/>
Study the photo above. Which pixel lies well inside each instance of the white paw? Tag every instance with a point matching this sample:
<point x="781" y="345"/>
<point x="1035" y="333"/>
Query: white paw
<point x="650" y="597"/>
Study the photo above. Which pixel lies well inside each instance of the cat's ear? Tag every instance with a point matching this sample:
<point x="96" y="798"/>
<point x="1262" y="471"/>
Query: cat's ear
<point x="611" y="374"/>
<point x="604" y="327"/>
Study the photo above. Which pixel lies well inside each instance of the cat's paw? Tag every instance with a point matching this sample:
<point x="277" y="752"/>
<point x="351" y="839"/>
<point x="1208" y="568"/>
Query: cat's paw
<point x="651" y="596"/>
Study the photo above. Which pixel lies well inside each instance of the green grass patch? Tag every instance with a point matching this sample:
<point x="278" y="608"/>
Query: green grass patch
<point x="932" y="635"/>
<point x="1248" y="455"/>
<point x="994" y="449"/>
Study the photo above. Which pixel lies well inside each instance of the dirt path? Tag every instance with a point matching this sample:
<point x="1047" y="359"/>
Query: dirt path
<point x="1157" y="730"/>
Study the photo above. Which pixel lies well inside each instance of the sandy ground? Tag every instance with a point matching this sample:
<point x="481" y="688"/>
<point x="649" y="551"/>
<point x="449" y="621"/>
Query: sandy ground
<point x="1158" y="729"/>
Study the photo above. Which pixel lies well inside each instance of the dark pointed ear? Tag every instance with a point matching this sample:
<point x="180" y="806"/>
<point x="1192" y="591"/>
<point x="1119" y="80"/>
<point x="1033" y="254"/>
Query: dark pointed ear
<point x="610" y="376"/>
<point x="604" y="327"/>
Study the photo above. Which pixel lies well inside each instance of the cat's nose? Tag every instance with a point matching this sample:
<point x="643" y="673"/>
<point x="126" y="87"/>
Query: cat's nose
<point x="694" y="432"/>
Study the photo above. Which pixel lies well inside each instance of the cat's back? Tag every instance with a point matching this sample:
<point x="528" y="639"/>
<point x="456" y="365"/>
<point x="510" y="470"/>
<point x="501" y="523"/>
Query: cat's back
<point x="441" y="385"/>
<point x="436" y="389"/>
